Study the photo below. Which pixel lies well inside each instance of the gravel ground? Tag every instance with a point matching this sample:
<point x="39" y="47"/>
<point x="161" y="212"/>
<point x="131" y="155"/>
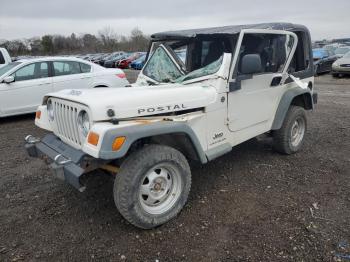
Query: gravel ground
<point x="249" y="205"/>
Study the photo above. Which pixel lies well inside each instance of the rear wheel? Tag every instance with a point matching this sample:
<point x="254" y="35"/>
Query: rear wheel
<point x="152" y="186"/>
<point x="290" y="137"/>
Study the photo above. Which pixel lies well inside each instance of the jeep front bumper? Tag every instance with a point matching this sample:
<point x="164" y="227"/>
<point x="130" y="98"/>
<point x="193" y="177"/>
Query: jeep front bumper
<point x="63" y="160"/>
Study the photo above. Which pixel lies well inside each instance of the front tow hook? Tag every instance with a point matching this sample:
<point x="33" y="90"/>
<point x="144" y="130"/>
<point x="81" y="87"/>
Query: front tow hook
<point x="31" y="139"/>
<point x="61" y="160"/>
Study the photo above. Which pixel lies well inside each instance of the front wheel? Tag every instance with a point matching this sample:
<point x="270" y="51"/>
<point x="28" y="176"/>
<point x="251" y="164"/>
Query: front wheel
<point x="152" y="186"/>
<point x="290" y="137"/>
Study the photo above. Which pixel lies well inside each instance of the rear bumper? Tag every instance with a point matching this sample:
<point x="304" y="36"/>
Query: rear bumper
<point x="63" y="160"/>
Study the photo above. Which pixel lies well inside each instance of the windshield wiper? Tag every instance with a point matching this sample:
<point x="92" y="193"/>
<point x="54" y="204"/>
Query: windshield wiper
<point x="168" y="80"/>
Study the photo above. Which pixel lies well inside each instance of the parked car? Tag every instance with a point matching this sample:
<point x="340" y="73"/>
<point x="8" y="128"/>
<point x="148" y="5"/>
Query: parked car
<point x="111" y="63"/>
<point x="4" y="57"/>
<point x="124" y="63"/>
<point x="341" y="51"/>
<point x="98" y="58"/>
<point x="24" y="83"/>
<point x="87" y="56"/>
<point x="323" y="60"/>
<point x="138" y="63"/>
<point x="110" y="57"/>
<point x="341" y="66"/>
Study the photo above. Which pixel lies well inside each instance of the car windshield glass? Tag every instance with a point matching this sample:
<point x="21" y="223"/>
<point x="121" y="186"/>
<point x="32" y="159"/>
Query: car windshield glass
<point x="168" y="64"/>
<point x="341" y="51"/>
<point x="161" y="68"/>
<point x="8" y="67"/>
<point x="140" y="59"/>
<point x="347" y="55"/>
<point x="210" y="69"/>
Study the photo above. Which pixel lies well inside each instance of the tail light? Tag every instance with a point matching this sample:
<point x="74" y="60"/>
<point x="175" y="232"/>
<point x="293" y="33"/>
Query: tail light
<point x="121" y="75"/>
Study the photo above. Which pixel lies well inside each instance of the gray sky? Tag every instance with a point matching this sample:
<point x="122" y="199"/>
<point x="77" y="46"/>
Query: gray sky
<point x="28" y="18"/>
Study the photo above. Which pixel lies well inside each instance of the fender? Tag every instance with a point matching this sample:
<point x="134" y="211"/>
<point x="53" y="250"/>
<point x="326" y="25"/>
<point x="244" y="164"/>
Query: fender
<point x="284" y="104"/>
<point x="136" y="132"/>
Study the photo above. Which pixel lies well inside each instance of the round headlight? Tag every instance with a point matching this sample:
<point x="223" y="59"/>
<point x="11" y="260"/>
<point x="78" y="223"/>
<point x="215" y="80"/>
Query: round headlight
<point x="84" y="122"/>
<point x="50" y="110"/>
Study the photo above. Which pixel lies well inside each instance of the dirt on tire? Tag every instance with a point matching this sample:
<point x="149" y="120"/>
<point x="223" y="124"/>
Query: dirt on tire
<point x="252" y="204"/>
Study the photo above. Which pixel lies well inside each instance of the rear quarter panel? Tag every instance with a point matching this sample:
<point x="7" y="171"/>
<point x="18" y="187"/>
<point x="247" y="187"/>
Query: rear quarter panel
<point x="109" y="78"/>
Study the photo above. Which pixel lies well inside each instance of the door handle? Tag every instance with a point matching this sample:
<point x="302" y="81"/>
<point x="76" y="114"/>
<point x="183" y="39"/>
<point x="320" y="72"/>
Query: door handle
<point x="42" y="84"/>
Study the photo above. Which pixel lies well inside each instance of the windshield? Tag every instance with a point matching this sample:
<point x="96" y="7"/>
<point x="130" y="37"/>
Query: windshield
<point x="161" y="68"/>
<point x="347" y="55"/>
<point x="140" y="59"/>
<point x="342" y="50"/>
<point x="181" y="60"/>
<point x="210" y="69"/>
<point x="8" y="67"/>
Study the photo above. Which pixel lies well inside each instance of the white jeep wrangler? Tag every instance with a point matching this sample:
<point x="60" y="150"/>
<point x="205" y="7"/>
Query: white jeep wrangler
<point x="200" y="93"/>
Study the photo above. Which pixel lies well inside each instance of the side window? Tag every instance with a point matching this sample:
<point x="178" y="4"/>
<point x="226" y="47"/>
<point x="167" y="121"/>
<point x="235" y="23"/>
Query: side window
<point x="32" y="71"/>
<point x="85" y="68"/>
<point x="25" y="73"/>
<point x="2" y="59"/>
<point x="273" y="49"/>
<point x="62" y="68"/>
<point x="301" y="58"/>
<point x="41" y="70"/>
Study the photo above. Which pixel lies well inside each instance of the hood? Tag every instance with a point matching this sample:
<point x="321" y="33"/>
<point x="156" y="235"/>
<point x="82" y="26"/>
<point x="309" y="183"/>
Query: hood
<point x="138" y="101"/>
<point x="343" y="60"/>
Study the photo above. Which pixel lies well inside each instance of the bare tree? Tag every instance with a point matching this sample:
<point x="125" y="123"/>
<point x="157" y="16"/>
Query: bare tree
<point x="107" y="40"/>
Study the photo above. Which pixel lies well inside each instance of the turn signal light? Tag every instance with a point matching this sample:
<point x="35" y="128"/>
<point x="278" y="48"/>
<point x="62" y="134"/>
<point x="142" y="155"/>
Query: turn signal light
<point x="37" y="114"/>
<point x="118" y="143"/>
<point x="93" y="138"/>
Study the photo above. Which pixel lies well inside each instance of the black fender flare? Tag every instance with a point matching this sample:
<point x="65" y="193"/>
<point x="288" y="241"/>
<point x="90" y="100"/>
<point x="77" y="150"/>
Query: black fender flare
<point x="139" y="131"/>
<point x="285" y="103"/>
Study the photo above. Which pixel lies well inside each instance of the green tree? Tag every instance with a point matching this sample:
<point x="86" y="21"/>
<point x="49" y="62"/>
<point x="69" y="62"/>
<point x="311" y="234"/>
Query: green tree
<point x="47" y="44"/>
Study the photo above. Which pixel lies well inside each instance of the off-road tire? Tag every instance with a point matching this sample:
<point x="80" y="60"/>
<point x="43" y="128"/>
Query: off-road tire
<point x="128" y="182"/>
<point x="282" y="137"/>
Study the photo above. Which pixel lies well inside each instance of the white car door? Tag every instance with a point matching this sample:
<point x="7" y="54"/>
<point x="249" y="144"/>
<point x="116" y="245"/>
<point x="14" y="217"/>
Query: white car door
<point x="69" y="75"/>
<point x="253" y="98"/>
<point x="25" y="94"/>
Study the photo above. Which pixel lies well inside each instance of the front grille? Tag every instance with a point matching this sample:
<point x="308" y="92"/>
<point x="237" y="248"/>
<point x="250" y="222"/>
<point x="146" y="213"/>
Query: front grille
<point x="345" y="65"/>
<point x="65" y="117"/>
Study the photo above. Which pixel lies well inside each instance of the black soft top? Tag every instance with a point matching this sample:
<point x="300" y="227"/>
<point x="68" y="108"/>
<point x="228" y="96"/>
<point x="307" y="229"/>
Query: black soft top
<point x="225" y="30"/>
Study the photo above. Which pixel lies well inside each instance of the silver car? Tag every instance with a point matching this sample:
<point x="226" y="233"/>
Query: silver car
<point x="341" y="66"/>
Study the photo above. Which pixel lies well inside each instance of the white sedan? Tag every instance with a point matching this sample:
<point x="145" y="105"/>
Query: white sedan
<point x="24" y="83"/>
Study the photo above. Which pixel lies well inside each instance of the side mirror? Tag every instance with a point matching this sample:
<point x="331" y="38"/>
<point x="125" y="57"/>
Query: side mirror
<point x="9" y="79"/>
<point x="251" y="64"/>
